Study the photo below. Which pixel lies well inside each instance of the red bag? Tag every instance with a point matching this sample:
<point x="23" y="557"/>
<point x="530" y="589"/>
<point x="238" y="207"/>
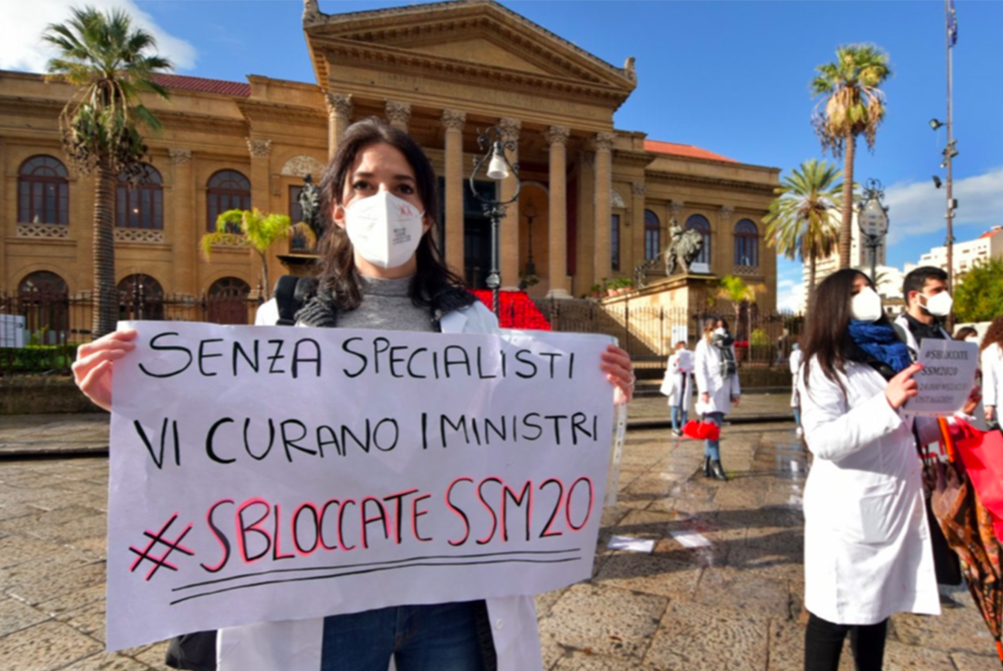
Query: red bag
<point x="982" y="454"/>
<point x="701" y="430"/>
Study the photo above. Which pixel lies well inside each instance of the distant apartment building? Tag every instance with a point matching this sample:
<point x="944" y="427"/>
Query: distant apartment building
<point x="966" y="254"/>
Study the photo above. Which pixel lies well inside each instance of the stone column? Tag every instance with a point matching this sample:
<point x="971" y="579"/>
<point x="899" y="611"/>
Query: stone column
<point x="9" y="229"/>
<point x="185" y="225"/>
<point x="453" y="122"/>
<point x="509" y="235"/>
<point x="585" y="275"/>
<point x="339" y="114"/>
<point x="603" y="145"/>
<point x="399" y="114"/>
<point x="635" y="245"/>
<point x="557" y="238"/>
<point x="723" y="258"/>
<point x="260" y="151"/>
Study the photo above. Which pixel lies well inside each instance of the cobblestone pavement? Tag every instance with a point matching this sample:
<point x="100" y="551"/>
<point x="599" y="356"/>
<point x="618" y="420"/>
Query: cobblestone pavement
<point x="733" y="604"/>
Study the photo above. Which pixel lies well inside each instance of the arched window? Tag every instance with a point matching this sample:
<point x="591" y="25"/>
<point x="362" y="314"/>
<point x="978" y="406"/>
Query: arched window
<point x="227" y="301"/>
<point x="43" y="191"/>
<point x="226" y="190"/>
<point x="652" y="235"/>
<point x="140" y="203"/>
<point x="140" y="297"/>
<point x="701" y="225"/>
<point x="746" y="244"/>
<point x="44" y="302"/>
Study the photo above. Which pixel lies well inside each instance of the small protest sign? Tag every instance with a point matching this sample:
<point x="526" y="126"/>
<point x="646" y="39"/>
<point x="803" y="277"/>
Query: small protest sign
<point x="270" y="473"/>
<point x="947" y="377"/>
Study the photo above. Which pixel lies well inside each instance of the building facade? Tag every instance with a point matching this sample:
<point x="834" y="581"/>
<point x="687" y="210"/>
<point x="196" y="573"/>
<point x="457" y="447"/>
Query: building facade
<point x="966" y="254"/>
<point x="595" y="201"/>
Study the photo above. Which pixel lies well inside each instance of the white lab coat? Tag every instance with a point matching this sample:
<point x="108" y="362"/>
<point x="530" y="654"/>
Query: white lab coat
<point x="707" y="371"/>
<point x="868" y="553"/>
<point x="295" y="645"/>
<point x="991" y="363"/>
<point x="677" y="384"/>
<point x="795" y="363"/>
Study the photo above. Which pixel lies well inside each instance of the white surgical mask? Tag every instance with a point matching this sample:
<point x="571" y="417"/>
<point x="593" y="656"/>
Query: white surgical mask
<point x="384" y="229"/>
<point x="721" y="331"/>
<point x="866" y="305"/>
<point x="939" y="305"/>
<point x="974" y="339"/>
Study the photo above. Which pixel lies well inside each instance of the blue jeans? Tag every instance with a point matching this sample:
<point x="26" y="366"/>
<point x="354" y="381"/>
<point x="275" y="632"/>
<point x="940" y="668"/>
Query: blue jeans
<point x="438" y="637"/>
<point x="678" y="417"/>
<point x="712" y="448"/>
<point x="797" y="416"/>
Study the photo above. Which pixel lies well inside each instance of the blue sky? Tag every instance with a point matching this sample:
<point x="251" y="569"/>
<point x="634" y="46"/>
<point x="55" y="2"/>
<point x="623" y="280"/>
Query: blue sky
<point x="731" y="77"/>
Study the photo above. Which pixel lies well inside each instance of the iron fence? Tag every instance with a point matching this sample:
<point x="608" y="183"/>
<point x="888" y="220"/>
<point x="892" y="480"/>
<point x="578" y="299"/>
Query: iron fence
<point x="650" y="334"/>
<point x="40" y="331"/>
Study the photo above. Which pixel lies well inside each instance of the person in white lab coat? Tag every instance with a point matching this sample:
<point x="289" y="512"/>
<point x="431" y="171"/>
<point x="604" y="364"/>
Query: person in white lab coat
<point x="991" y="363"/>
<point x="716" y="373"/>
<point x="379" y="180"/>
<point x="677" y="385"/>
<point x="795" y="361"/>
<point x="867" y="542"/>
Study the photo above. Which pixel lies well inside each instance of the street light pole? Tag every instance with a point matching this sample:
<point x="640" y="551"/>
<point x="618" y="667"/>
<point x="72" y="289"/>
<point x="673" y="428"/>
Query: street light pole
<point x="495" y="150"/>
<point x="949" y="151"/>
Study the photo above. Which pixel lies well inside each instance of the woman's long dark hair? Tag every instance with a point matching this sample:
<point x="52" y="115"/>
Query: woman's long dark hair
<point x="338" y="273"/>
<point x="994" y="334"/>
<point x="825" y="338"/>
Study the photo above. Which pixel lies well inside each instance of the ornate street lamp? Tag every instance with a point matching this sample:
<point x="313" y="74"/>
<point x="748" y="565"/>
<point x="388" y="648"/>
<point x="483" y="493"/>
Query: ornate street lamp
<point x="495" y="149"/>
<point x="872" y="218"/>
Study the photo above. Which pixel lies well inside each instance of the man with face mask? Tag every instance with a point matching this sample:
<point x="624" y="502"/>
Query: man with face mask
<point x="927" y="303"/>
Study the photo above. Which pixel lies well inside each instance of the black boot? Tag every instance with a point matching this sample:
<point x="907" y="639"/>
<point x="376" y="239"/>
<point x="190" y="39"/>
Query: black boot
<point x="706" y="467"/>
<point x="717" y="471"/>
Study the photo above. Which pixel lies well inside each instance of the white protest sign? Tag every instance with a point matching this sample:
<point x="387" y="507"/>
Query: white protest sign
<point x="275" y="473"/>
<point x="947" y="377"/>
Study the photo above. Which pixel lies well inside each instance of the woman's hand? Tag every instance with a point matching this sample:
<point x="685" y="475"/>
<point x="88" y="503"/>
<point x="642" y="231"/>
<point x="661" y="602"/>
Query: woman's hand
<point x="735" y="400"/>
<point x="902" y="387"/>
<point x="620" y="372"/>
<point x="93" y="367"/>
<point x="705" y="398"/>
<point x="973" y="401"/>
<point x="990" y="412"/>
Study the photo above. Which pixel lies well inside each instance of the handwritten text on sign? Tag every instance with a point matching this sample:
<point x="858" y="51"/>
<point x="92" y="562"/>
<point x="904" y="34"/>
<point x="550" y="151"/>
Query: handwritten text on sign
<point x="947" y="377"/>
<point x="271" y="473"/>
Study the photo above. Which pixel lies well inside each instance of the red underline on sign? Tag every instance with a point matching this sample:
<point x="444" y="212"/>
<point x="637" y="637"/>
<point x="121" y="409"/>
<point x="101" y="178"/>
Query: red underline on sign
<point x="416" y="562"/>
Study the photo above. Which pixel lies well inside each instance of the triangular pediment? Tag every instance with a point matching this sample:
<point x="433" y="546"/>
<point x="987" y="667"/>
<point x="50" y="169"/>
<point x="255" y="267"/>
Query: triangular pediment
<point x="474" y="32"/>
<point x="480" y="50"/>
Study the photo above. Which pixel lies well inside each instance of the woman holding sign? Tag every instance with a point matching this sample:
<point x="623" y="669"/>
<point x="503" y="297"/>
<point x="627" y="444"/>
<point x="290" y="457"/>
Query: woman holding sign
<point x="379" y="182"/>
<point x="867" y="544"/>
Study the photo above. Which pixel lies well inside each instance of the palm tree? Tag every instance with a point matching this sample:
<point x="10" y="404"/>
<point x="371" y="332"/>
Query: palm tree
<point x="734" y="289"/>
<point x="851" y="104"/>
<point x="259" y="231"/>
<point x="801" y="221"/>
<point x="111" y="64"/>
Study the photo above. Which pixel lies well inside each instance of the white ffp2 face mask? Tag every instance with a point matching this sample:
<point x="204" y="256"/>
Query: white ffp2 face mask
<point x="866" y="305"/>
<point x="939" y="305"/>
<point x="384" y="229"/>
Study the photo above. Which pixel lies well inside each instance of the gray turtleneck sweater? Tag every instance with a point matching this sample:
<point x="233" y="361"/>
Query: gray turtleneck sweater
<point x="386" y="305"/>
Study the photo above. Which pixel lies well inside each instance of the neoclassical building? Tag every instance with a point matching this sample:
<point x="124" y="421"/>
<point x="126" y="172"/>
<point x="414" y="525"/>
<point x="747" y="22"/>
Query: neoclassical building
<point x="596" y="201"/>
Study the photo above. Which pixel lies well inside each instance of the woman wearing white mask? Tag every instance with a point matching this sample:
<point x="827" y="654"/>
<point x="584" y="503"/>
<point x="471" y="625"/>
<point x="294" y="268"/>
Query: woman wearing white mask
<point x="379" y="269"/>
<point x="868" y="553"/>
<point x="716" y="373"/>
